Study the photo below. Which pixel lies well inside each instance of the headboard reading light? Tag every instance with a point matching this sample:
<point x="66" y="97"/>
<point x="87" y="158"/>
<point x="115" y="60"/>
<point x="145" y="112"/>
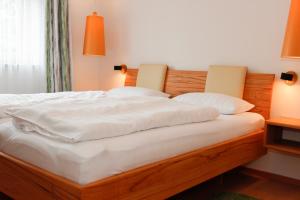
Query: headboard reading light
<point x="122" y="68"/>
<point x="289" y="77"/>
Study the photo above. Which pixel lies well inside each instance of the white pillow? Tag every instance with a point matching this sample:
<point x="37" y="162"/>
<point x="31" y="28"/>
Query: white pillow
<point x="136" y="91"/>
<point x="225" y="104"/>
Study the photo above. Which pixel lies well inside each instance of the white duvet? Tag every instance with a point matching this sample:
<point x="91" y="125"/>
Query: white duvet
<point x="75" y="120"/>
<point x="17" y="100"/>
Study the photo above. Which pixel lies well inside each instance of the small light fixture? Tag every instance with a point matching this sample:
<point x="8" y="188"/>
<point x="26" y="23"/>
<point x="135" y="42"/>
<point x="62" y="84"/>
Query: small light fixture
<point x="94" y="41"/>
<point x="291" y="45"/>
<point x="289" y="77"/>
<point x="122" y="68"/>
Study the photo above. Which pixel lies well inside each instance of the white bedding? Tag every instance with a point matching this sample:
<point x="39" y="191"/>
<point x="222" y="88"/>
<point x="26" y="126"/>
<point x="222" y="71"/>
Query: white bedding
<point x="87" y="162"/>
<point x="18" y="100"/>
<point x="77" y="120"/>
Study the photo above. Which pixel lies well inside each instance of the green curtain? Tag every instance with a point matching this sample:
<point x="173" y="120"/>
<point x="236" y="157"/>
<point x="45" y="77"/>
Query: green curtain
<point x="58" y="46"/>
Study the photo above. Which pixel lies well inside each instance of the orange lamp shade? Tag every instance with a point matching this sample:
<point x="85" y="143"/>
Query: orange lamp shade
<point x="291" y="46"/>
<point x="94" y="40"/>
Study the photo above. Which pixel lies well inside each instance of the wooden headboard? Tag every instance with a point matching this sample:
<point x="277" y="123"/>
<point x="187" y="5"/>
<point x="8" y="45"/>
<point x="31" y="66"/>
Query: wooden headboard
<point x="258" y="87"/>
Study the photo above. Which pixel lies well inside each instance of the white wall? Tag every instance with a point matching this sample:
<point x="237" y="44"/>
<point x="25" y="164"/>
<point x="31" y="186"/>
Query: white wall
<point x="192" y="34"/>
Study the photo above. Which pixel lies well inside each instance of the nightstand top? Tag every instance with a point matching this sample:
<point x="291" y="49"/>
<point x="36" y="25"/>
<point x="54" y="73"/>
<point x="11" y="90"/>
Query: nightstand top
<point x="285" y="122"/>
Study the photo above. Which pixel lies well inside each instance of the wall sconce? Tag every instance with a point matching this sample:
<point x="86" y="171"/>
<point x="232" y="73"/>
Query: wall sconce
<point x="122" y="68"/>
<point x="289" y="77"/>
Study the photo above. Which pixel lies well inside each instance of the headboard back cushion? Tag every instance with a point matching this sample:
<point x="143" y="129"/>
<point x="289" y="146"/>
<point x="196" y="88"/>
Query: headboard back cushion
<point x="229" y="80"/>
<point x="152" y="76"/>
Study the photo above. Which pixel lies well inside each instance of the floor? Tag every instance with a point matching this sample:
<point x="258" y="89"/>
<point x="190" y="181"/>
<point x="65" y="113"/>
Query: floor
<point x="236" y="182"/>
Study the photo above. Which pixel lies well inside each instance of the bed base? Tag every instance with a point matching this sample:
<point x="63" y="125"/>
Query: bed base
<point x="158" y="180"/>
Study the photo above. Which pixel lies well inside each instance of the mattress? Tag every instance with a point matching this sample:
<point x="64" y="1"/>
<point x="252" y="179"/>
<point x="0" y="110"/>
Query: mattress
<point x="90" y="161"/>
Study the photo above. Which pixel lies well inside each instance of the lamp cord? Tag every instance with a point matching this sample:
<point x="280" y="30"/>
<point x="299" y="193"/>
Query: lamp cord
<point x="95" y="5"/>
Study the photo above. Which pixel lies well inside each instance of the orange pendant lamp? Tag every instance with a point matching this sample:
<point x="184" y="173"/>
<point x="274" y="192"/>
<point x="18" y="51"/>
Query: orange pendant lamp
<point x="291" y="46"/>
<point x="94" y="40"/>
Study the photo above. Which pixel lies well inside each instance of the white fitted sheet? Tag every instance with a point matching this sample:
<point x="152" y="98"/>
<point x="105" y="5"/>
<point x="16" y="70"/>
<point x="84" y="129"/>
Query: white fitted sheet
<point x="90" y="161"/>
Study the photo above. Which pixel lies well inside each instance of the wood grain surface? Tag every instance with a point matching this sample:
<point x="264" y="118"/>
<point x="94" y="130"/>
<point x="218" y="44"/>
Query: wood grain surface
<point x="158" y="180"/>
<point x="258" y="87"/>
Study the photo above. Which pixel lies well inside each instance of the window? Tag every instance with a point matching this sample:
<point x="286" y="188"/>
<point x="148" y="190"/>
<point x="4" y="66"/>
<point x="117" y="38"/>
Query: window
<point x="22" y="42"/>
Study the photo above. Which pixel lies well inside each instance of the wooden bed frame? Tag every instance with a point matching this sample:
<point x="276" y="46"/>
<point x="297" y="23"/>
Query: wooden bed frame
<point x="159" y="180"/>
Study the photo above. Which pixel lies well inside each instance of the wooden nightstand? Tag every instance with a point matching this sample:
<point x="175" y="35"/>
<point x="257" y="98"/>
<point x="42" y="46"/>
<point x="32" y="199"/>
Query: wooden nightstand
<point x="274" y="137"/>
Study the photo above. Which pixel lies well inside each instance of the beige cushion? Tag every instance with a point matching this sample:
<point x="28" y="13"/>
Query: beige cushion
<point x="229" y="80"/>
<point x="152" y="76"/>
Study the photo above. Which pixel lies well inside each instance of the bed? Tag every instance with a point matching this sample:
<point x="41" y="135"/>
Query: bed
<point x="189" y="162"/>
